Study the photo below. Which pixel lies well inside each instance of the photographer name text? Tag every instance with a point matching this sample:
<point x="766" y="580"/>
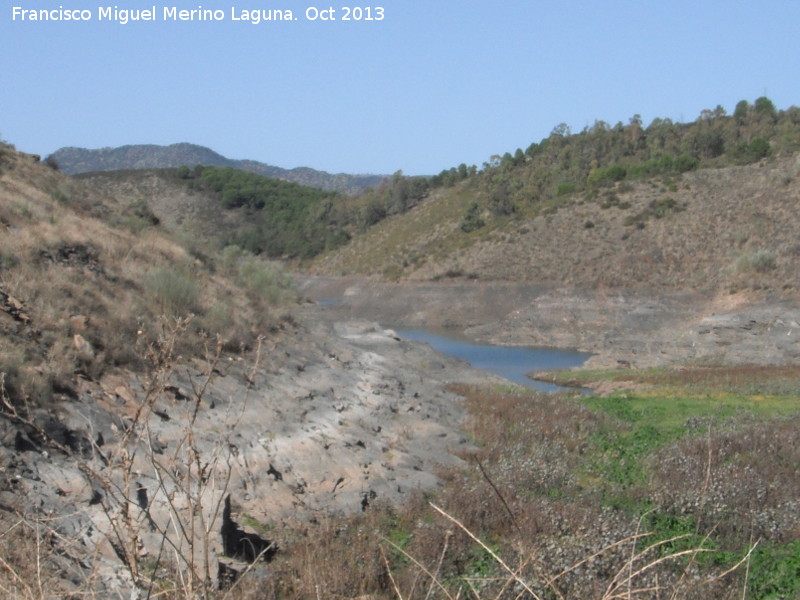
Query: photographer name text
<point x="170" y="14"/>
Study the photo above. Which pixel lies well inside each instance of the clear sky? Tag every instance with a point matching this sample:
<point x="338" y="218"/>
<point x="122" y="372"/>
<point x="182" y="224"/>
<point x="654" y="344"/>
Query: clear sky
<point x="433" y="84"/>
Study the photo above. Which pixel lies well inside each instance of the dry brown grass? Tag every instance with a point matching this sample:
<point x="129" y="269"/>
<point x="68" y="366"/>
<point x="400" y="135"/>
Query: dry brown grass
<point x="736" y="233"/>
<point x="727" y="378"/>
<point x="28" y="562"/>
<point x="753" y="480"/>
<point x="62" y="256"/>
<point x="519" y="524"/>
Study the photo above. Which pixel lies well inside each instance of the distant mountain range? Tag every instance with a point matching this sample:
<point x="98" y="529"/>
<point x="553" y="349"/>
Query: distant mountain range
<point x="73" y="160"/>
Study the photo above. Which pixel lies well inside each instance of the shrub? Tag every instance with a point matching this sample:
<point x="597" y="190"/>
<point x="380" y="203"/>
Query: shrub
<point x="231" y="255"/>
<point x="472" y="220"/>
<point x="765" y="107"/>
<point x="759" y="148"/>
<point x="685" y="163"/>
<point x="8" y="260"/>
<point x="565" y="187"/>
<point x="759" y="261"/>
<point x="21" y="385"/>
<point x="753" y="151"/>
<point x="656" y="209"/>
<point x="221" y="320"/>
<point x="607" y="175"/>
<point x="776" y="572"/>
<point x="265" y="280"/>
<point x="663" y="207"/>
<point x="51" y="162"/>
<point x="172" y="291"/>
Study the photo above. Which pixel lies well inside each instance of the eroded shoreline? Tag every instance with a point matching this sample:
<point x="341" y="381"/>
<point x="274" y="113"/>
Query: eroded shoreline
<point x="631" y="327"/>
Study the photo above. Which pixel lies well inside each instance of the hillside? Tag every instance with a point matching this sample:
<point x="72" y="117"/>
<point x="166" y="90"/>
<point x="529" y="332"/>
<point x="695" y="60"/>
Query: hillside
<point x="79" y="261"/>
<point x="151" y="398"/>
<point x="214" y="207"/>
<point x="150" y="156"/>
<point x="727" y="228"/>
<point x="704" y="205"/>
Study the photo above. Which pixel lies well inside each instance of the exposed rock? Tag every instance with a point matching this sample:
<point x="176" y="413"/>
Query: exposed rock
<point x="622" y="327"/>
<point x="78" y="324"/>
<point x="84" y="348"/>
<point x="246" y="546"/>
<point x="13" y="307"/>
<point x="368" y="416"/>
<point x="73" y="255"/>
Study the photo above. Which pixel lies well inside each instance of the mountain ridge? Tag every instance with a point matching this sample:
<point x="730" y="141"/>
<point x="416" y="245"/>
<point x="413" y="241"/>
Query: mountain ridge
<point x="74" y="160"/>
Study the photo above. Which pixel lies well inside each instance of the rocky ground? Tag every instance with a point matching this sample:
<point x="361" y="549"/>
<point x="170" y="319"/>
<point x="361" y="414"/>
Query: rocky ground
<point x="328" y="417"/>
<point x="331" y="414"/>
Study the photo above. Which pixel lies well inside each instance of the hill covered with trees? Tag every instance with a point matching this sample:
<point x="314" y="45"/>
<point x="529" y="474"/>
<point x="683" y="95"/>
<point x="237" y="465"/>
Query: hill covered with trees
<point x="214" y="207"/>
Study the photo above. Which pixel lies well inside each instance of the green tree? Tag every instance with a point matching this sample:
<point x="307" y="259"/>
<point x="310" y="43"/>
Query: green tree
<point x="741" y="111"/>
<point x="472" y="220"/>
<point x="764" y="107"/>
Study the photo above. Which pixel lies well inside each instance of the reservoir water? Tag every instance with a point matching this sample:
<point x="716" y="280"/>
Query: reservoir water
<point x="511" y="362"/>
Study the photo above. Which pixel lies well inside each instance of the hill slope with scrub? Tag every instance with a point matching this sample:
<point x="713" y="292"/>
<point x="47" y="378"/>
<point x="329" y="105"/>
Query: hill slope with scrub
<point x="702" y="205"/>
<point x="154" y="397"/>
<point x="212" y="207"/>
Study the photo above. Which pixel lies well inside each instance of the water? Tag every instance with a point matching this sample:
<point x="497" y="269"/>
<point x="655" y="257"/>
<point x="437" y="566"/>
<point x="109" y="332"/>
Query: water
<point x="513" y="363"/>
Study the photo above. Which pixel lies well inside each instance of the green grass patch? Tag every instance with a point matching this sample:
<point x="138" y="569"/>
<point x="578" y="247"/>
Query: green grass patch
<point x="775" y="572"/>
<point x="678" y="533"/>
<point x="642" y="423"/>
<point x="763" y="389"/>
<point x="172" y="290"/>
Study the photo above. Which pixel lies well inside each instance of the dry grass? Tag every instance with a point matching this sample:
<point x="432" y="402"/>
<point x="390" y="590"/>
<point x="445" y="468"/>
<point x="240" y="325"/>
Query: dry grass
<point x="27" y="569"/>
<point x="519" y="523"/>
<point x="753" y="480"/>
<point x="75" y="272"/>
<point x="736" y="233"/>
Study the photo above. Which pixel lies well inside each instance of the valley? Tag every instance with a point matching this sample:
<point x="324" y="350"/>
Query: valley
<point x="201" y="394"/>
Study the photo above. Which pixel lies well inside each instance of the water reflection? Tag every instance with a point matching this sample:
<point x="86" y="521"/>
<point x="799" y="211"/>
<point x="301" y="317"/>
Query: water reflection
<point x="513" y="363"/>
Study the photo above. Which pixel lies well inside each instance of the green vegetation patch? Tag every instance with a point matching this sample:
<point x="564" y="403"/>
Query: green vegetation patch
<point x="758" y="261"/>
<point x="172" y="290"/>
<point x="656" y="209"/>
<point x="767" y="390"/>
<point x="288" y="219"/>
<point x="775" y="571"/>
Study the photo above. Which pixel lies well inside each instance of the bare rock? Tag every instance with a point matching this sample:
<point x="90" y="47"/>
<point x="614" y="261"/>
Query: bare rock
<point x="84" y="348"/>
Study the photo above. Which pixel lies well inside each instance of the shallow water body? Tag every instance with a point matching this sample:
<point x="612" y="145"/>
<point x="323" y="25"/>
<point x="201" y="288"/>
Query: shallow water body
<point x="511" y="362"/>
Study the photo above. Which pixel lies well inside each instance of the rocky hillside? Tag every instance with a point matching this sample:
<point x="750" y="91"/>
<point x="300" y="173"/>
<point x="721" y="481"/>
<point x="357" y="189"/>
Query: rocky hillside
<point x="149" y="397"/>
<point x="150" y="156"/>
<point x="724" y="228"/>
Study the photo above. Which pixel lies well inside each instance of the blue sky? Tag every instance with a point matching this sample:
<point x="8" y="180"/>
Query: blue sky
<point x="434" y="84"/>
